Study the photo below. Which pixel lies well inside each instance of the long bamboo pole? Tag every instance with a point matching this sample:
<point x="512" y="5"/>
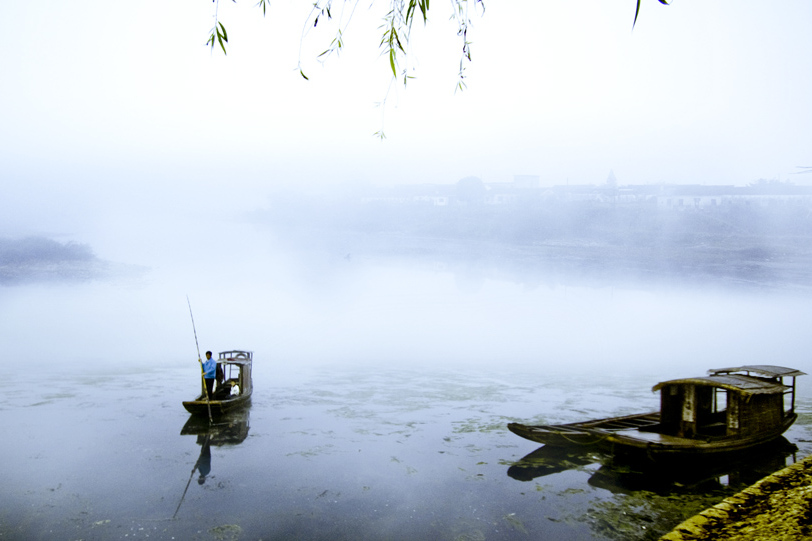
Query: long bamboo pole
<point x="202" y="372"/>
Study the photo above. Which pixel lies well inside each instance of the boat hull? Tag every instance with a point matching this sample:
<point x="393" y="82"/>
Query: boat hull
<point x="201" y="407"/>
<point x="586" y="433"/>
<point x="644" y="442"/>
<point x="661" y="448"/>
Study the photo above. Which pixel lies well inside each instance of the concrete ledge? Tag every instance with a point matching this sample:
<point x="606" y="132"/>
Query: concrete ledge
<point x="777" y="507"/>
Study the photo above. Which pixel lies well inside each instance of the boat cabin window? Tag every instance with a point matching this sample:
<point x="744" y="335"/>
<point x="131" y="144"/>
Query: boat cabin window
<point x="715" y="422"/>
<point x="231" y="383"/>
<point x="695" y="410"/>
<point x="720" y="397"/>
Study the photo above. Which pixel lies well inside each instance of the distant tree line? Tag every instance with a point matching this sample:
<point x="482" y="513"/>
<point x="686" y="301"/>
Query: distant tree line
<point x="41" y="250"/>
<point x="39" y="258"/>
<point x="751" y="245"/>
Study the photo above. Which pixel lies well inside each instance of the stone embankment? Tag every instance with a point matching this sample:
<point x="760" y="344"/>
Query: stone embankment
<point x="779" y="507"/>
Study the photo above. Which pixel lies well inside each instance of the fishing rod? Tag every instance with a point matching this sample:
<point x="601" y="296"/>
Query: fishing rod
<point x="200" y="360"/>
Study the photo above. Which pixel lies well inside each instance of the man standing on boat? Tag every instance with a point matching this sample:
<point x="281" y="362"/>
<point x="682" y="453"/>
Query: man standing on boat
<point x="209" y="373"/>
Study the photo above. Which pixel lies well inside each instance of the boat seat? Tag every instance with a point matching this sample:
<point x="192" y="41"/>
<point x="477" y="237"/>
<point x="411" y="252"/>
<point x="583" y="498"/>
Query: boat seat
<point x="713" y="429"/>
<point x="713" y="425"/>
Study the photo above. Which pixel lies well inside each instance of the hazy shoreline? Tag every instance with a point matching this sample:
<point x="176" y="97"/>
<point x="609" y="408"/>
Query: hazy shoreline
<point x="572" y="262"/>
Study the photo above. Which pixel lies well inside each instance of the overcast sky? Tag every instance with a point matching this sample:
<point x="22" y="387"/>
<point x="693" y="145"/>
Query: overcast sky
<point x="122" y="102"/>
<point x="119" y="124"/>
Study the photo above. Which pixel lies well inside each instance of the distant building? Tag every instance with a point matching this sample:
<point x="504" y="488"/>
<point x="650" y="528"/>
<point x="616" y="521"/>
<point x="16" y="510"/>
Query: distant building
<point x="526" y="182"/>
<point x="410" y="194"/>
<point x="695" y="197"/>
<point x="526" y="189"/>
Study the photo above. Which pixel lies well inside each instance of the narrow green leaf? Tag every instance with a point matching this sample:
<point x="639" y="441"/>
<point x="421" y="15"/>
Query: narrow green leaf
<point x="397" y="40"/>
<point x="636" y="13"/>
<point x="424" y="7"/>
<point x="225" y="36"/>
<point x="392" y="61"/>
<point x="303" y="75"/>
<point x="410" y="10"/>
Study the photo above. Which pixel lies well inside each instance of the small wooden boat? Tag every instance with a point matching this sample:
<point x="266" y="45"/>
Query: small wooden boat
<point x="730" y="410"/>
<point x="689" y="477"/>
<point x="232" y="389"/>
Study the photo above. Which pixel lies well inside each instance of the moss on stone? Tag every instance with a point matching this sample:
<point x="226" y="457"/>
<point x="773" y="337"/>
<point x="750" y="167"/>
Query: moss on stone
<point x="777" y="507"/>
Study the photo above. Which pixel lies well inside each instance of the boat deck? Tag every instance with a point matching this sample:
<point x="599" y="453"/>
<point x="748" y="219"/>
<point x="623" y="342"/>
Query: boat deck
<point x="656" y="437"/>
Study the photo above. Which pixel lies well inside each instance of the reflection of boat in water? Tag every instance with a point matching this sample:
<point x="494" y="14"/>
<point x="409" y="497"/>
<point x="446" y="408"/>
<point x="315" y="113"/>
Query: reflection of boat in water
<point x="229" y="429"/>
<point x="729" y="411"/>
<point x="739" y="472"/>
<point x="622" y="476"/>
<point x="548" y="460"/>
<point x="234" y="386"/>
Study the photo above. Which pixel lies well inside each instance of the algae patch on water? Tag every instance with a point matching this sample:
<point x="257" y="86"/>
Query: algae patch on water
<point x="226" y="532"/>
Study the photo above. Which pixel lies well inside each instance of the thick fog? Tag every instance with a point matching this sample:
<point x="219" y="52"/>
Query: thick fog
<point x="336" y="278"/>
<point x="601" y="208"/>
<point x="144" y="168"/>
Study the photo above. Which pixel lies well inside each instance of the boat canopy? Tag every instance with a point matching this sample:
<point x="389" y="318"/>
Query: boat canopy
<point x="729" y="378"/>
<point x="734" y="382"/>
<point x="769" y="371"/>
<point x="236" y="356"/>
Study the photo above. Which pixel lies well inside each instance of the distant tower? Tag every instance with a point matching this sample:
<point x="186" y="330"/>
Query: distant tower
<point x="611" y="180"/>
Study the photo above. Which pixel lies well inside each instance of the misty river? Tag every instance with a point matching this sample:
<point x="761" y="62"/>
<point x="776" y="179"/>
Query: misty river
<point x="382" y="391"/>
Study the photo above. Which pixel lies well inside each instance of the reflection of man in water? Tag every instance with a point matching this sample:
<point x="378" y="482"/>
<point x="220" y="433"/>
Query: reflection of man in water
<point x="204" y="462"/>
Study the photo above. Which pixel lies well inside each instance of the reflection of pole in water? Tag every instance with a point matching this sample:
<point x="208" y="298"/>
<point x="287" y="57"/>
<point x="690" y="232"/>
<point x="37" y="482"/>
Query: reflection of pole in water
<point x="203" y="463"/>
<point x="232" y="430"/>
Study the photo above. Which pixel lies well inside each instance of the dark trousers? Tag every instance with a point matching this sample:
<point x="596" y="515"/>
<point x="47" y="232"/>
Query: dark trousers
<point x="209" y="386"/>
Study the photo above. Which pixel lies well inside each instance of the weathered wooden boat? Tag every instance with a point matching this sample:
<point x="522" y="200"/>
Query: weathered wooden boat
<point x="728" y="411"/>
<point x="692" y="476"/>
<point x="232" y="389"/>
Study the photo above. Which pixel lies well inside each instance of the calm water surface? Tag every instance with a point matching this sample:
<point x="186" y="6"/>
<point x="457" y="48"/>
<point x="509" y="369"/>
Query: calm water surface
<point x="360" y="452"/>
<point x="382" y="394"/>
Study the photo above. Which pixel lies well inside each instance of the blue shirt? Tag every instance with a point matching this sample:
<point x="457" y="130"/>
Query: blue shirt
<point x="209" y="368"/>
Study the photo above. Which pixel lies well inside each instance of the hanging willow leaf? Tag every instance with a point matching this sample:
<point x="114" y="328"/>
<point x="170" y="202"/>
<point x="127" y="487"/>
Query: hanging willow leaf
<point x="222" y="37"/>
<point x="263" y="5"/>
<point x="410" y="10"/>
<point x="424" y="9"/>
<point x="637" y="10"/>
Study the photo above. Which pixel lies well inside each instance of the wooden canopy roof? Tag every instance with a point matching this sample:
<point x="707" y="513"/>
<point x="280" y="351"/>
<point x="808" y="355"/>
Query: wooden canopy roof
<point x="766" y="370"/>
<point x="734" y="382"/>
